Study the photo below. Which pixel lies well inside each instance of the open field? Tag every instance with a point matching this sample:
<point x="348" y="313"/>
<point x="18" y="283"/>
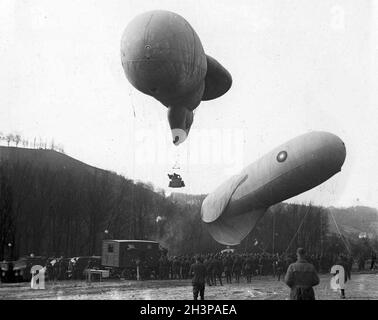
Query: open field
<point x="362" y="286"/>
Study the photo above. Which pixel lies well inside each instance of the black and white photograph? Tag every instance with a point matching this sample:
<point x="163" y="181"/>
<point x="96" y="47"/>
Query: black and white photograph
<point x="208" y="150"/>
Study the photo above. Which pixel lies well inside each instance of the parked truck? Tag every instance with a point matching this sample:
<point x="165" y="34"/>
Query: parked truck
<point x="131" y="259"/>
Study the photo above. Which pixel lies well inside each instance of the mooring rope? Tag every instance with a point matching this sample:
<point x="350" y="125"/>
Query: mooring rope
<point x="300" y="226"/>
<point x="338" y="230"/>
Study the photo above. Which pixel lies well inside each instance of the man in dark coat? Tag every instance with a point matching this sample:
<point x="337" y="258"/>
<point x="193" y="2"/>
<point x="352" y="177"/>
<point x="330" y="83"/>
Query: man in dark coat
<point x="49" y="270"/>
<point x="373" y="259"/>
<point x="55" y="270"/>
<point x="209" y="270"/>
<point x="185" y="267"/>
<point x="237" y="268"/>
<point x="279" y="266"/>
<point x="227" y="266"/>
<point x="63" y="267"/>
<point x="198" y="271"/>
<point x="217" y="270"/>
<point x="248" y="268"/>
<point x="176" y="266"/>
<point x="162" y="263"/>
<point x="301" y="276"/>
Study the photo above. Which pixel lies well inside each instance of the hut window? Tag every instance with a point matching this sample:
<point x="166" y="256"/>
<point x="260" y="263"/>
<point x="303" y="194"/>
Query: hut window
<point x="110" y="248"/>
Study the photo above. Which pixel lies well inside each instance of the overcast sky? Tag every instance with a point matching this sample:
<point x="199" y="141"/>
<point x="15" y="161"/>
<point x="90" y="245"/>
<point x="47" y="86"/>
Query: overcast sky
<point x="297" y="66"/>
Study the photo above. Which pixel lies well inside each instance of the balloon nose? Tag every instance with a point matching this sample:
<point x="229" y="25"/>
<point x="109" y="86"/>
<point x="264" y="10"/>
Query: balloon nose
<point x="178" y="136"/>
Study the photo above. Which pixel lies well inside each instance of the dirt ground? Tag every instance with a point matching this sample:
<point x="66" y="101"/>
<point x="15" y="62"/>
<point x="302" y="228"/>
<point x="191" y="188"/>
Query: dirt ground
<point x="362" y="286"/>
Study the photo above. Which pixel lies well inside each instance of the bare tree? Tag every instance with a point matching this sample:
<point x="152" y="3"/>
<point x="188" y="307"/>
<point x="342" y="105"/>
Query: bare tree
<point x="17" y="139"/>
<point x="52" y="145"/>
<point x="9" y="138"/>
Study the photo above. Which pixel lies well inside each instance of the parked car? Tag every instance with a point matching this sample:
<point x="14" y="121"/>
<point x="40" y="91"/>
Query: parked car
<point x="6" y="271"/>
<point x="22" y="267"/>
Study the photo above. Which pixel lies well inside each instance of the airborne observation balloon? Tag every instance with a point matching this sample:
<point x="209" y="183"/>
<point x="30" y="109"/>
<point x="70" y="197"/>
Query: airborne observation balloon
<point x="235" y="207"/>
<point x="163" y="57"/>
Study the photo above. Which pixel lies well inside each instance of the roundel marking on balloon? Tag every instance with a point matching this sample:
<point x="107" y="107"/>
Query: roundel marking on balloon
<point x="148" y="51"/>
<point x="281" y="156"/>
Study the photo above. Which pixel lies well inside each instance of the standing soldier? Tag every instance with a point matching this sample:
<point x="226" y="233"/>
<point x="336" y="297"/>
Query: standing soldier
<point x="170" y="267"/>
<point x="176" y="265"/>
<point x="181" y="271"/>
<point x="301" y="276"/>
<point x="63" y="266"/>
<point x="55" y="270"/>
<point x="255" y="265"/>
<point x="186" y="267"/>
<point x="217" y="270"/>
<point x="279" y="267"/>
<point x="145" y="270"/>
<point x="87" y="269"/>
<point x="213" y="263"/>
<point x="268" y="264"/>
<point x="350" y="265"/>
<point x="227" y="266"/>
<point x="209" y="270"/>
<point x="236" y="268"/>
<point x="248" y="268"/>
<point x="198" y="271"/>
<point x="49" y="270"/>
<point x="261" y="264"/>
<point x="161" y="267"/>
<point x="373" y="259"/>
<point x="274" y="264"/>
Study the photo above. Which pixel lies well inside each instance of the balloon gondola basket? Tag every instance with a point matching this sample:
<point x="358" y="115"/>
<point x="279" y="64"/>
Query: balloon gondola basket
<point x="175" y="181"/>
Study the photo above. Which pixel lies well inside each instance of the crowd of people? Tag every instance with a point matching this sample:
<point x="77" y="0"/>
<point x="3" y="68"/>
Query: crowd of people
<point x="300" y="275"/>
<point x="223" y="267"/>
<point x="70" y="268"/>
<point x="232" y="266"/>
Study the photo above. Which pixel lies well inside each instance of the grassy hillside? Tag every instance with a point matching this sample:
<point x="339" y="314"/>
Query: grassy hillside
<point x="354" y="220"/>
<point x="44" y="157"/>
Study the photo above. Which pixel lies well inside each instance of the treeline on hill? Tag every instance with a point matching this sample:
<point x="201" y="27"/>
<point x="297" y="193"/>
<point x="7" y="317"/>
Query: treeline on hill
<point x="51" y="210"/>
<point x="356" y="220"/>
<point x="17" y="140"/>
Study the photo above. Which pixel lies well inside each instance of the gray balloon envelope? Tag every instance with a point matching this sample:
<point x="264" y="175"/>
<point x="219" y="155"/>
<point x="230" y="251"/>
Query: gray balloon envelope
<point x="234" y="208"/>
<point x="163" y="57"/>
